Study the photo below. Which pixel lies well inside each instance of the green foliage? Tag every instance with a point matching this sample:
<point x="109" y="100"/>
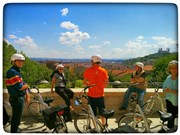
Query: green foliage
<point x="79" y="84"/>
<point x="160" y="67"/>
<point x="31" y="71"/>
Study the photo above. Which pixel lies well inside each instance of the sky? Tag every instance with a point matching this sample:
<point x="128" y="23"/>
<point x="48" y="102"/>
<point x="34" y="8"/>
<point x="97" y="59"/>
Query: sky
<point x="80" y="30"/>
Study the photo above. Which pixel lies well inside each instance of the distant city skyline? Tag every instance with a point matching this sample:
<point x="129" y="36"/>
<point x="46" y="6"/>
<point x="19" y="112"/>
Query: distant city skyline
<point x="79" y="30"/>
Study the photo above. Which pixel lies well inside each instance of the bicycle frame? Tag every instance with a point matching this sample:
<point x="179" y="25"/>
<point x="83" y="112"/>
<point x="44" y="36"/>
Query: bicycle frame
<point x="90" y="112"/>
<point x="157" y="96"/>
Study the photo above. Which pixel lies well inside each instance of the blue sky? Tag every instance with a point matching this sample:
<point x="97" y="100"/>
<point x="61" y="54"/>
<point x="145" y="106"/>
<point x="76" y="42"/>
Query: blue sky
<point x="79" y="30"/>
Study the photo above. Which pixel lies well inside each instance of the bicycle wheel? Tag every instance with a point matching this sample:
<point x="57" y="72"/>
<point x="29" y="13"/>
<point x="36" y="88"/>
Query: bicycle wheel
<point x="61" y="126"/>
<point x="35" y="110"/>
<point x="133" y="120"/>
<point x="149" y="107"/>
<point x="84" y="124"/>
<point x="8" y="108"/>
<point x="132" y="102"/>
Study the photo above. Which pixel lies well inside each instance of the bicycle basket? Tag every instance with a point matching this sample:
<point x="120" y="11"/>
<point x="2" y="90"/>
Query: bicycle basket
<point x="50" y="115"/>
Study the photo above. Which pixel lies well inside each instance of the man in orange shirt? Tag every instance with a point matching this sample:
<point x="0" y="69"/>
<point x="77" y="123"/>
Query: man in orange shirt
<point x="98" y="76"/>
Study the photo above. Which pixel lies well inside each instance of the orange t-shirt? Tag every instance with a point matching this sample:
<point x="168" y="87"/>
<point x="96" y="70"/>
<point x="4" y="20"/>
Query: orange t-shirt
<point x="96" y="75"/>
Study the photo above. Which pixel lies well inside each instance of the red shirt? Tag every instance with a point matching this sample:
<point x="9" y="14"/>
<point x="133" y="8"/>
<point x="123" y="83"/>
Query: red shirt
<point x="98" y="76"/>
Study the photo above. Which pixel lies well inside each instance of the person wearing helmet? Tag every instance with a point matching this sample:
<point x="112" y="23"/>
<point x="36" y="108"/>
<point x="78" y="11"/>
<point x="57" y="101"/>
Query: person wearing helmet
<point x="59" y="82"/>
<point x="17" y="90"/>
<point x="170" y="87"/>
<point x="138" y="82"/>
<point x="98" y="76"/>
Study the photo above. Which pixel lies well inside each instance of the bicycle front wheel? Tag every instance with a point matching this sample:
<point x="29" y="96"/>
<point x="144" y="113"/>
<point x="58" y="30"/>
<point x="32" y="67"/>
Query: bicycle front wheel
<point x="35" y="110"/>
<point x="84" y="124"/>
<point x="149" y="108"/>
<point x="61" y="126"/>
<point x="133" y="120"/>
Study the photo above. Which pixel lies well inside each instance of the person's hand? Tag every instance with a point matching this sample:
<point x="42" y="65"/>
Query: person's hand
<point x="28" y="99"/>
<point x="167" y="90"/>
<point x="52" y="91"/>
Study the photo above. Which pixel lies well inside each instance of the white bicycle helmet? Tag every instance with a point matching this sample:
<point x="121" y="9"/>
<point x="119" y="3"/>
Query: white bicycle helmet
<point x="173" y="62"/>
<point x="17" y="57"/>
<point x="59" y="66"/>
<point x="139" y="64"/>
<point x="96" y="58"/>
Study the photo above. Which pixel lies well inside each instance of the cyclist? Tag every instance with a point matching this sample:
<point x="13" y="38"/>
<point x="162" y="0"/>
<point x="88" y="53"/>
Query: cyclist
<point x="59" y="81"/>
<point x="170" y="87"/>
<point x="138" y="79"/>
<point x="98" y="76"/>
<point x="17" y="89"/>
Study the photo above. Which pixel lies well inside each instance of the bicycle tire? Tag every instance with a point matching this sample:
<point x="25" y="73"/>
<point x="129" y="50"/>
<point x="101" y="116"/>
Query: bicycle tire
<point x="133" y="120"/>
<point x="132" y="102"/>
<point x="84" y="124"/>
<point x="35" y="110"/>
<point x="149" y="108"/>
<point x="61" y="126"/>
<point x="8" y="108"/>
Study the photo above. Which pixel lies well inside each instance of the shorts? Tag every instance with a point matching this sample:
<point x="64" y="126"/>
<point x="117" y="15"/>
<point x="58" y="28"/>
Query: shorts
<point x="97" y="103"/>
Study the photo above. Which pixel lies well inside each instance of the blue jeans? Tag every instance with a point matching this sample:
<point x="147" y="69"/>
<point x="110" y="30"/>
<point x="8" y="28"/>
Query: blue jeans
<point x="139" y="92"/>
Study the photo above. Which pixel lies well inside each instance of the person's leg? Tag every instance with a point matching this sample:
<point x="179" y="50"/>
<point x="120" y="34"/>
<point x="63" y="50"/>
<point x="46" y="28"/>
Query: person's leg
<point x="93" y="105"/>
<point x="17" y="110"/>
<point x="101" y="107"/>
<point x="141" y="94"/>
<point x="174" y="111"/>
<point x="70" y="93"/>
<point x="61" y="92"/>
<point x="126" y="98"/>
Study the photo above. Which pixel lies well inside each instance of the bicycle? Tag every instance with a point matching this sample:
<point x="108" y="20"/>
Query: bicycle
<point x="86" y="121"/>
<point x="150" y="105"/>
<point x="139" y="121"/>
<point x="38" y="104"/>
<point x="52" y="117"/>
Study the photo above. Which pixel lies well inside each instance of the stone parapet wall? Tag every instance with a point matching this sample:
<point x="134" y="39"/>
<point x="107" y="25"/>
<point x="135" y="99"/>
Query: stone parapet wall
<point x="113" y="98"/>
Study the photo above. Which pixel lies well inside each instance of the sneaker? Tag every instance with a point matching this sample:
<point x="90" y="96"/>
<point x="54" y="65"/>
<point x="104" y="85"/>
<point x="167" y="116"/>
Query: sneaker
<point x="122" y="108"/>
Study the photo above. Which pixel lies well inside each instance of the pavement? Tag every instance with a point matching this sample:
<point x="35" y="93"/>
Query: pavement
<point x="29" y="125"/>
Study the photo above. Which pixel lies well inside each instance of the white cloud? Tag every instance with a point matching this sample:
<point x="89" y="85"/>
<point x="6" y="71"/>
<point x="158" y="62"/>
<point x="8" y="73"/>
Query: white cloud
<point x="26" y="42"/>
<point x="12" y="36"/>
<point x="166" y="42"/>
<point x="94" y="46"/>
<point x="72" y="38"/>
<point x="106" y="42"/>
<point x="68" y="25"/>
<point x="140" y="47"/>
<point x="64" y="11"/>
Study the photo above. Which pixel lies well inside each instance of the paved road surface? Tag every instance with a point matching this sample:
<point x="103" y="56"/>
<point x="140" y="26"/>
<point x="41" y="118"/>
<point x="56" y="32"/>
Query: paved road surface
<point x="28" y="125"/>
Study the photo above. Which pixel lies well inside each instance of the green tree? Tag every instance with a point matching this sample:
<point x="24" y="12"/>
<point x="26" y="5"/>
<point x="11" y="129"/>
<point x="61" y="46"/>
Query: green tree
<point x="160" y="67"/>
<point x="31" y="70"/>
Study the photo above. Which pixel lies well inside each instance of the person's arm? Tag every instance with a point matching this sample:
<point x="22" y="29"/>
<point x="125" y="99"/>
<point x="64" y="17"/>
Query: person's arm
<point x="28" y="99"/>
<point x="85" y="82"/>
<point x="138" y="80"/>
<point x="24" y="87"/>
<point x="52" y="84"/>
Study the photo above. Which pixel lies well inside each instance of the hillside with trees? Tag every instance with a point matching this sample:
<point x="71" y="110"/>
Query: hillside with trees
<point x="34" y="70"/>
<point x="31" y="71"/>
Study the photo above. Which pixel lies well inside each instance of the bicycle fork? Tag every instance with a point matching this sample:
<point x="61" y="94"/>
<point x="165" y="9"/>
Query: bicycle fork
<point x="94" y="119"/>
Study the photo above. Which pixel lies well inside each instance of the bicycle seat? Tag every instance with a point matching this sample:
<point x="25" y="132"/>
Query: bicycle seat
<point x="164" y="116"/>
<point x="48" y="100"/>
<point x="108" y="114"/>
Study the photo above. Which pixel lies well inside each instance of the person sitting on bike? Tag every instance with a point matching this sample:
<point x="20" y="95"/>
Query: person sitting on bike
<point x="59" y="82"/>
<point x="138" y="85"/>
<point x="170" y="87"/>
<point x="17" y="89"/>
<point x="98" y="76"/>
